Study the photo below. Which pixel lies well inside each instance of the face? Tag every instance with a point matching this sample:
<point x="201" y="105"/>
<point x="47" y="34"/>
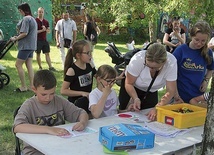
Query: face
<point x="199" y="40"/>
<point x="21" y="12"/>
<point x="176" y="24"/>
<point x="86" y="54"/>
<point x="44" y="96"/>
<point x="65" y="16"/>
<point x="40" y="12"/>
<point x="153" y="66"/>
<point x="107" y="81"/>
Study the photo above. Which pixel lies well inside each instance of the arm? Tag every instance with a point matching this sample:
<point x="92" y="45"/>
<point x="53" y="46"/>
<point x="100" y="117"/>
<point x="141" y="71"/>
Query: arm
<point x="98" y="30"/>
<point x="57" y="38"/>
<point x="65" y="89"/>
<point x="129" y="85"/>
<point x="170" y="93"/>
<point x="181" y="38"/>
<point x="166" y="42"/>
<point x="206" y="80"/>
<point x="74" y="36"/>
<point x="97" y="108"/>
<point x="83" y="121"/>
<point x="32" y="128"/>
<point x="85" y="30"/>
<point x="20" y="36"/>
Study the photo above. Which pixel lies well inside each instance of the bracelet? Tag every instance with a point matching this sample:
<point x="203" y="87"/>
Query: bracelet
<point x="136" y="99"/>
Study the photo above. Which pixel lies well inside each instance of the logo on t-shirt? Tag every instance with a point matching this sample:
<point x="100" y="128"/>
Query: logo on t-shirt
<point x="85" y="80"/>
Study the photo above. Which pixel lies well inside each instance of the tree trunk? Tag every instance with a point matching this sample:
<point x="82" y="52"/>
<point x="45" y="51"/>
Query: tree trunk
<point x="208" y="135"/>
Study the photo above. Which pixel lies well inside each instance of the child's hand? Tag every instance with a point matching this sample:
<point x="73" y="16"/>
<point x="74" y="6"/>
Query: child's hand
<point x="152" y="114"/>
<point x="78" y="126"/>
<point x="58" y="131"/>
<point x="107" y="90"/>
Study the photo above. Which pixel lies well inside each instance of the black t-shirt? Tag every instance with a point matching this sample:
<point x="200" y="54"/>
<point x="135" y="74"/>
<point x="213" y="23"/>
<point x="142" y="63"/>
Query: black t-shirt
<point x="81" y="81"/>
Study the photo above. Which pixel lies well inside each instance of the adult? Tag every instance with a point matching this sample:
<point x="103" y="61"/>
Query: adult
<point x="27" y="39"/>
<point x="211" y="43"/>
<point x="1" y="35"/>
<point x="91" y="31"/>
<point x="42" y="43"/>
<point x="153" y="62"/>
<point x="65" y="29"/>
<point x="174" y="35"/>
<point x="195" y="63"/>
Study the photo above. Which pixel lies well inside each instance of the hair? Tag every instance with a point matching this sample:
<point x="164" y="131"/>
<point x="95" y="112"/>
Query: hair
<point x="106" y="71"/>
<point x="91" y="21"/>
<point x="25" y="7"/>
<point x="130" y="39"/>
<point x="204" y="28"/>
<point x="44" y="78"/>
<point x="76" y="48"/>
<point x="156" y="53"/>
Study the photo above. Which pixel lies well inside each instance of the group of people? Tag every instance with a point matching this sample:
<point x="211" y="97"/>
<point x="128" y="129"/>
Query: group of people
<point x="32" y="36"/>
<point x="185" y="73"/>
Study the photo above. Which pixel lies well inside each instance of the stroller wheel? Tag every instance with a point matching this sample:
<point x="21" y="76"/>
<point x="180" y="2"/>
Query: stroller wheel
<point x="5" y="78"/>
<point x="1" y="84"/>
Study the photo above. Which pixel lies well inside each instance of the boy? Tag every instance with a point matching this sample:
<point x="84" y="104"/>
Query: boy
<point x="42" y="112"/>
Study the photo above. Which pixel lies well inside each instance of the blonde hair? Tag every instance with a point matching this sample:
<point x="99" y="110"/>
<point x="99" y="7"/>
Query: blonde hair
<point x="106" y="71"/>
<point x="156" y="53"/>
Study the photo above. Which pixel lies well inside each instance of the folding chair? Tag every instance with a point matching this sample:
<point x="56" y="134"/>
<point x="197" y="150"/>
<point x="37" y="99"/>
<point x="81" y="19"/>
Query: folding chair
<point x="17" y="149"/>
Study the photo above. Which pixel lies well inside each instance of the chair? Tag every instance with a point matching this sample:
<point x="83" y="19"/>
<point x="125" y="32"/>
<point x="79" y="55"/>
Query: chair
<point x="17" y="149"/>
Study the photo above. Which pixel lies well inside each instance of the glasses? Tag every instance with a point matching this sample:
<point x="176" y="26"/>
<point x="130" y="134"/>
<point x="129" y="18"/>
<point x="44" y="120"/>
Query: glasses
<point x="153" y="68"/>
<point x="110" y="81"/>
<point x="87" y="53"/>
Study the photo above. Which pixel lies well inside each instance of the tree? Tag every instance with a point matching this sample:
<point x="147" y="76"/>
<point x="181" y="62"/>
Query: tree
<point x="208" y="135"/>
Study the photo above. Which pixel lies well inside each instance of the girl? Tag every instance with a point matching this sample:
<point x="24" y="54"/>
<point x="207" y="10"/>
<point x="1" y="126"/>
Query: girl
<point x="103" y="100"/>
<point x="195" y="63"/>
<point x="78" y="74"/>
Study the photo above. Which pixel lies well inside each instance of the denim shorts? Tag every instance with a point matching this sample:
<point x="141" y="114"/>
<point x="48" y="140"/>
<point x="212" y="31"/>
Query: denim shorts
<point x="25" y="54"/>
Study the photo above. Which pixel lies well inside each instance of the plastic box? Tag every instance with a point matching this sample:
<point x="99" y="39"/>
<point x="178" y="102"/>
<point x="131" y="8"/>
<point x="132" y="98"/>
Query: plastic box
<point x="126" y="136"/>
<point x="181" y="120"/>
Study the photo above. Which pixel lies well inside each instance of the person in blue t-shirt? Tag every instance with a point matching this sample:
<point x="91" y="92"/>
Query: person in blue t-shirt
<point x="195" y="63"/>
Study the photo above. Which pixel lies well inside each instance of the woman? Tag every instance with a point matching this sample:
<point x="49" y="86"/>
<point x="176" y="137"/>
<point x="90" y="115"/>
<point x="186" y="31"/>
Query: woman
<point x="91" y="30"/>
<point x="174" y="35"/>
<point x="154" y="60"/>
<point x="27" y="39"/>
<point x="195" y="63"/>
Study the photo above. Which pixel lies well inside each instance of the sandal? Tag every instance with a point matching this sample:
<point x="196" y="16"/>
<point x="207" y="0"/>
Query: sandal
<point x="19" y="90"/>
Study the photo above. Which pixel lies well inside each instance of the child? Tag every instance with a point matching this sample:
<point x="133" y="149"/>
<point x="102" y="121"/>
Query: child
<point x="78" y="74"/>
<point x="200" y="100"/>
<point x="174" y="39"/>
<point x="42" y="112"/>
<point x="103" y="100"/>
<point x="130" y="44"/>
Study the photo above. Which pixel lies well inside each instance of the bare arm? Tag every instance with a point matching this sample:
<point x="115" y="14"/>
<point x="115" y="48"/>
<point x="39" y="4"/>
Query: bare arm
<point x="74" y="36"/>
<point x="65" y="89"/>
<point x="20" y="36"/>
<point x="57" y="38"/>
<point x="166" y="42"/>
<point x="85" y="30"/>
<point x="98" y="30"/>
<point x="181" y="38"/>
<point x="83" y="121"/>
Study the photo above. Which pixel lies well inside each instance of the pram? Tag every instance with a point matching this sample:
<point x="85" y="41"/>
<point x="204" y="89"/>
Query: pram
<point x="4" y="48"/>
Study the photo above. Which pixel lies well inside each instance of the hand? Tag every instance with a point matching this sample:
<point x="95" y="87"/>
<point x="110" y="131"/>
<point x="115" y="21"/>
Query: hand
<point x="13" y="38"/>
<point x="58" y="131"/>
<point x="204" y="85"/>
<point x="78" y="126"/>
<point x="58" y="44"/>
<point x="43" y="28"/>
<point x="152" y="114"/>
<point x="106" y="89"/>
<point x="85" y="94"/>
<point x="137" y="104"/>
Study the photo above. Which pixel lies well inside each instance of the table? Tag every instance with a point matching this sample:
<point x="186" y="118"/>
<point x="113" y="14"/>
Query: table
<point x="90" y="145"/>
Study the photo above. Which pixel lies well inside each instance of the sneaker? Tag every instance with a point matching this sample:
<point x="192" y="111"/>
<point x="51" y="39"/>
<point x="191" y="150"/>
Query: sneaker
<point x="2" y="67"/>
<point x="52" y="69"/>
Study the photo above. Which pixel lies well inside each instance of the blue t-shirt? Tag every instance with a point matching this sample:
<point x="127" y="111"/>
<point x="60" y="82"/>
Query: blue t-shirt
<point x="191" y="71"/>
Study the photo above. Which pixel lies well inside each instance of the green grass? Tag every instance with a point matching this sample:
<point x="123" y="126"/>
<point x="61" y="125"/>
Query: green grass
<point x="10" y="100"/>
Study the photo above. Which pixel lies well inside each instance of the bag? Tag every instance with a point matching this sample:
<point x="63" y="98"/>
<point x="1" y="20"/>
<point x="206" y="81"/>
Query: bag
<point x="93" y="38"/>
<point x="67" y="43"/>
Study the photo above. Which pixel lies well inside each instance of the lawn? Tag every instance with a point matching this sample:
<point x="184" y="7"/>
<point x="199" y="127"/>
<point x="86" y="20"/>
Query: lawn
<point x="10" y="100"/>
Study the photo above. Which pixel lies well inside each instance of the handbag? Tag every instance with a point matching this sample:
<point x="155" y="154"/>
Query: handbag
<point x="67" y="42"/>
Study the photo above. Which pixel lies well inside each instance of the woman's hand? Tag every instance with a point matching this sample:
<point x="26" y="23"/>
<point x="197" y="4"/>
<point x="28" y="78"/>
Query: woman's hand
<point x="137" y="104"/>
<point x="204" y="85"/>
<point x="152" y="114"/>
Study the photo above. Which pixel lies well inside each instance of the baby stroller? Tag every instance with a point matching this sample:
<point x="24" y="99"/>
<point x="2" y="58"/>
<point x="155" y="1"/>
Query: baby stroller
<point x="120" y="60"/>
<point x="4" y="47"/>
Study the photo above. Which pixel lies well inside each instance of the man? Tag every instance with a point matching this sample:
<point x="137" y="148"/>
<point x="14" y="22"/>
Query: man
<point x="42" y="43"/>
<point x="65" y="29"/>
